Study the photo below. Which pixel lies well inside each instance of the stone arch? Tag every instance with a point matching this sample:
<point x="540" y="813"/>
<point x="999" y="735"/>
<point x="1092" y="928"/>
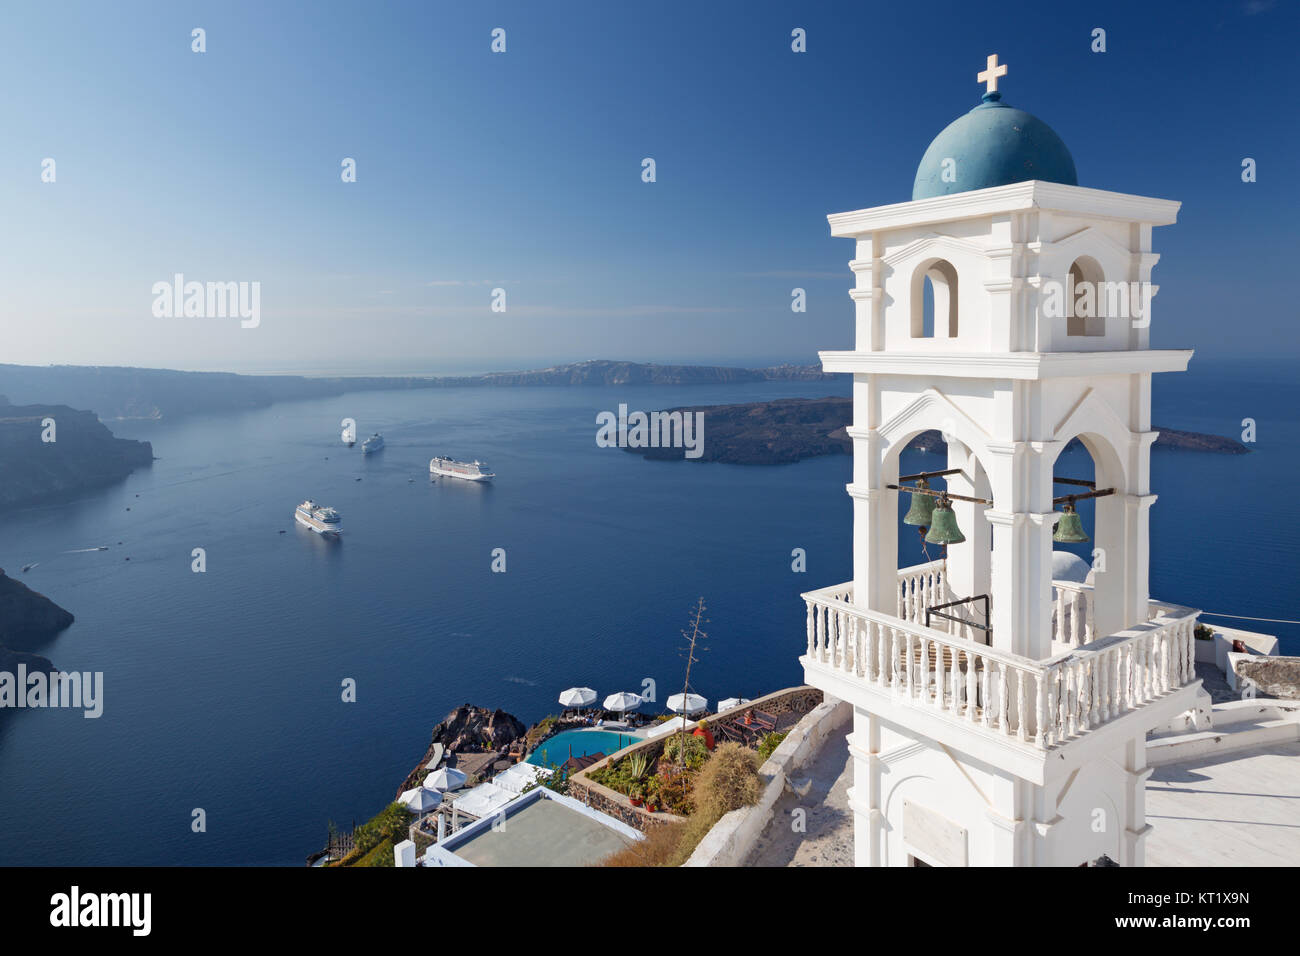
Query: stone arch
<point x="1103" y="434"/>
<point x="1086" y="302"/>
<point x="1111" y="576"/>
<point x="968" y="570"/>
<point x="932" y="409"/>
<point x="942" y="276"/>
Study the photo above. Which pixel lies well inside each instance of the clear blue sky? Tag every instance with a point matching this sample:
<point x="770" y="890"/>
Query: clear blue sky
<point x="522" y="170"/>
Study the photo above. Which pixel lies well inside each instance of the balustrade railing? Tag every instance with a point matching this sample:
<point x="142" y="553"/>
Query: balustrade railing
<point x="1072" y="619"/>
<point x="919" y="587"/>
<point x="1040" y="703"/>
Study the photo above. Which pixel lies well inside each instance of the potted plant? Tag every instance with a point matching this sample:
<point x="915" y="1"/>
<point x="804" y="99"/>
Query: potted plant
<point x="636" y="796"/>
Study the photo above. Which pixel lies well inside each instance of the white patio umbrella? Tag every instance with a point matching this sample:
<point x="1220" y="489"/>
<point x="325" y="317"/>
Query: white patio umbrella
<point x="686" y="703"/>
<point x="578" y="697"/>
<point x="731" y="702"/>
<point x="624" y="700"/>
<point x="445" y="778"/>
<point x="420" y="799"/>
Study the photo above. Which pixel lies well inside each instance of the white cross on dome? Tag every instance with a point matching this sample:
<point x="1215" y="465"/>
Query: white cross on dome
<point x="991" y="74"/>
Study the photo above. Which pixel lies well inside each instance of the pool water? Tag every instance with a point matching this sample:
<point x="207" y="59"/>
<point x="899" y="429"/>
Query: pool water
<point x="556" y="750"/>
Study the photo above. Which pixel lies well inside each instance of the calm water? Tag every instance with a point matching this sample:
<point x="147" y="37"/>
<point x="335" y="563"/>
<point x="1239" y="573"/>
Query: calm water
<point x="223" y="688"/>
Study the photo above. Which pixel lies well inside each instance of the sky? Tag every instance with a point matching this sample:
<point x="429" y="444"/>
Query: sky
<point x="522" y="170"/>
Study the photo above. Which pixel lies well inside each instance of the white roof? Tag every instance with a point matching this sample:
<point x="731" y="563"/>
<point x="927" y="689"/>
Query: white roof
<point x="520" y="776"/>
<point x="484" y="800"/>
<point x="669" y="726"/>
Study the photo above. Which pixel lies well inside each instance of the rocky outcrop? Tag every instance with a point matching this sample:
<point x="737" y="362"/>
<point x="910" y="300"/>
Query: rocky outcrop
<point x="791" y="429"/>
<point x="83" y="456"/>
<point x="26" y="617"/>
<point x="769" y="433"/>
<point x="468" y="729"/>
<point x="1273" y="676"/>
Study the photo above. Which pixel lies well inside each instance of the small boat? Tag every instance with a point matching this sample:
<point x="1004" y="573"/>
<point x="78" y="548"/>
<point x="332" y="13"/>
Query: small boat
<point x="372" y="444"/>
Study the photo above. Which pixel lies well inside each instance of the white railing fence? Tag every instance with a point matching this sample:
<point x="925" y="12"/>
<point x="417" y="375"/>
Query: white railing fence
<point x="1038" y="702"/>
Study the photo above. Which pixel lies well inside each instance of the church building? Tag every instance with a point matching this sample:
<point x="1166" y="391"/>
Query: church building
<point x="1001" y="709"/>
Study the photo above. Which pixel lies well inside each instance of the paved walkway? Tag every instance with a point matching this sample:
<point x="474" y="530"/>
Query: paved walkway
<point x="828" y="840"/>
<point x="1239" y="809"/>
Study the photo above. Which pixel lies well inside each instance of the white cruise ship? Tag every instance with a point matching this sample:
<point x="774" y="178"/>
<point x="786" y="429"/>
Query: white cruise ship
<point x="372" y="444"/>
<point x="469" y="470"/>
<point x="320" y="519"/>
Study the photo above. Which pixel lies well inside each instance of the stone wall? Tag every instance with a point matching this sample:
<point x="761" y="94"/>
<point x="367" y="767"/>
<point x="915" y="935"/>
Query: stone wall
<point x="733" y="837"/>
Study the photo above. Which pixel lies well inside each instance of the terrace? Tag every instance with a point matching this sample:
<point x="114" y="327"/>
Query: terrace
<point x="1037" y="705"/>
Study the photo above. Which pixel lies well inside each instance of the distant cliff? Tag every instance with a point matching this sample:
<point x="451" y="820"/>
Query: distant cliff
<point x="791" y="429"/>
<point x="83" y="456"/>
<point x="113" y="392"/>
<point x="26" y="617"/>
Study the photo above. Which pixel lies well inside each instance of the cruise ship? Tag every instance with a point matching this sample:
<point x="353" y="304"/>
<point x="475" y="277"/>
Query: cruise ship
<point x="372" y="444"/>
<point x="320" y="519"/>
<point x="469" y="470"/>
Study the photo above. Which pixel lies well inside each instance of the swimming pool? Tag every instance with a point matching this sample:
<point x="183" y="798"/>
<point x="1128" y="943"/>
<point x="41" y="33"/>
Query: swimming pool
<point x="583" y="742"/>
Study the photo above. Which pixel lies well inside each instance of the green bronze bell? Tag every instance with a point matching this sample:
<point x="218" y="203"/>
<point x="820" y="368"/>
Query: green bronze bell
<point x="1069" y="528"/>
<point x="922" y="507"/>
<point x="943" y="525"/>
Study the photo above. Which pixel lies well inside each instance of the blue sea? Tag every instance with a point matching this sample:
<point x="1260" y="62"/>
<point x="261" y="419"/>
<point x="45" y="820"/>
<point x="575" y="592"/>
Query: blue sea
<point x="224" y="689"/>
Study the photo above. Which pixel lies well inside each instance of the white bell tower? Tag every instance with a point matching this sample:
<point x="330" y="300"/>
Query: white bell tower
<point x="1009" y="308"/>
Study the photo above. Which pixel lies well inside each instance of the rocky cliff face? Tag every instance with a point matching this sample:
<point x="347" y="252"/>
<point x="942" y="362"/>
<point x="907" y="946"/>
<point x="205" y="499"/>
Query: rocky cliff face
<point x="466" y="729"/>
<point x="25" y="617"/>
<point x="83" y="456"/>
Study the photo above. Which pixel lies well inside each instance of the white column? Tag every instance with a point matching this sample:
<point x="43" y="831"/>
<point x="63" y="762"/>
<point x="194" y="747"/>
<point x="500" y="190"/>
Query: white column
<point x="875" y="520"/>
<point x="868" y="302"/>
<point x="1133" y="839"/>
<point x="1021" y="569"/>
<point x="969" y="563"/>
<point x="864" y="796"/>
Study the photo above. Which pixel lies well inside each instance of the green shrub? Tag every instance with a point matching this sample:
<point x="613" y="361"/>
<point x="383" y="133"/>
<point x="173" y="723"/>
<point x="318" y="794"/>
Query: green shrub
<point x="541" y="731"/>
<point x="727" y="781"/>
<point x="697" y="751"/>
<point x="391" y="823"/>
<point x="380" y="855"/>
<point x="768" y="745"/>
<point x="637" y="765"/>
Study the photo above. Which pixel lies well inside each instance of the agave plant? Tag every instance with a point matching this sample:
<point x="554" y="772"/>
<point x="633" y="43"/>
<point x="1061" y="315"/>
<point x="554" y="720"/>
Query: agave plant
<point x="637" y="765"/>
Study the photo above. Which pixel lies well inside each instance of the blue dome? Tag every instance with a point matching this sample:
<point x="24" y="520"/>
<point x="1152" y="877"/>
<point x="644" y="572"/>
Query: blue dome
<point x="993" y="145"/>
